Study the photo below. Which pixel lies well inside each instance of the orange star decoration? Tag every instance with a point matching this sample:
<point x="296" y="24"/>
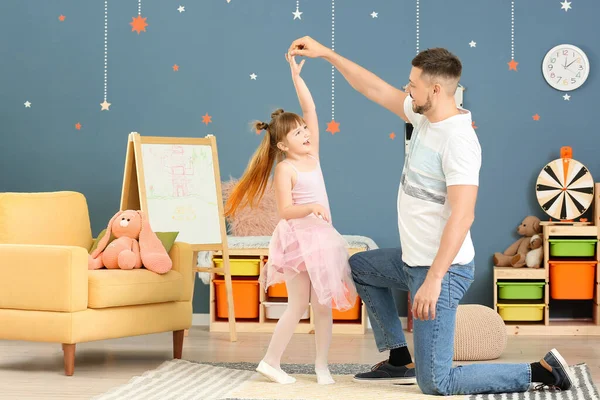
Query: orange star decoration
<point x="536" y="117"/>
<point x="78" y="126"/>
<point x="473" y="125"/>
<point x="333" y="127"/>
<point x="175" y="67"/>
<point x="392" y="136"/>
<point x="138" y="24"/>
<point x="61" y="18"/>
<point x="206" y="118"/>
<point x="512" y="65"/>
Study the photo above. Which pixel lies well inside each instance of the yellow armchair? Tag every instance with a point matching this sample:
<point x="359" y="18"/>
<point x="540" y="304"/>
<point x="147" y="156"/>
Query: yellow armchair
<point x="47" y="293"/>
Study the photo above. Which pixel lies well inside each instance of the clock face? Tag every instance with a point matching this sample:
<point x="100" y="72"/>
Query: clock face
<point x="565" y="67"/>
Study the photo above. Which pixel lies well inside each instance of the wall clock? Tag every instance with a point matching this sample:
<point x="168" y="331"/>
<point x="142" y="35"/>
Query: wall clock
<point x="565" y="67"/>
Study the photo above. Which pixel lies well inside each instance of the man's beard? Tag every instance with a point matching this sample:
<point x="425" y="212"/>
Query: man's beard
<point x="424" y="108"/>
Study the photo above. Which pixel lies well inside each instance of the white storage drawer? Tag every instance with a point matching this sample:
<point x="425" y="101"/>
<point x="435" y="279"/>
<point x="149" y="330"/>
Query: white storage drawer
<point x="274" y="310"/>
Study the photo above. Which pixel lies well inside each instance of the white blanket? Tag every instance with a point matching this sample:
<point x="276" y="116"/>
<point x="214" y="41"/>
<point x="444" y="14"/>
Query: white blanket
<point x="262" y="242"/>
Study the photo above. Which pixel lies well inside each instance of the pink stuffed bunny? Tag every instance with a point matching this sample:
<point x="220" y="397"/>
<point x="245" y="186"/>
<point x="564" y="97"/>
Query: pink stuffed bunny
<point x="126" y="252"/>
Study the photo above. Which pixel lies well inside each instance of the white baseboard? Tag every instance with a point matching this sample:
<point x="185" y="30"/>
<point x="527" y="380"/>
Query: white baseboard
<point x="203" y="320"/>
<point x="200" y="319"/>
<point x="404" y="322"/>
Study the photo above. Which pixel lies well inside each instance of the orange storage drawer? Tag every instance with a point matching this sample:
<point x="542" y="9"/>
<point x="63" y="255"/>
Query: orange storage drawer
<point x="351" y="314"/>
<point x="572" y="280"/>
<point x="245" y="298"/>
<point x="277" y="290"/>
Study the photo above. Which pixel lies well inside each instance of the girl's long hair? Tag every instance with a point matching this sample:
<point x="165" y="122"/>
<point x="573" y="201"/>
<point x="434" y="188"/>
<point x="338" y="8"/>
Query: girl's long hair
<point x="253" y="183"/>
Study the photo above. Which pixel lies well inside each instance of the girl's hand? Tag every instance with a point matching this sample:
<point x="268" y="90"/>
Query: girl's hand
<point x="320" y="212"/>
<point x="294" y="66"/>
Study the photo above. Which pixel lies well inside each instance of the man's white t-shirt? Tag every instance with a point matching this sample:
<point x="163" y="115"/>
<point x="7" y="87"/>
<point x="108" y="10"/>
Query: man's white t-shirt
<point x="440" y="154"/>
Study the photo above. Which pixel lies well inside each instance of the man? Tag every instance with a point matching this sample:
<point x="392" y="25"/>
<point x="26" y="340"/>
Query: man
<point x="436" y="207"/>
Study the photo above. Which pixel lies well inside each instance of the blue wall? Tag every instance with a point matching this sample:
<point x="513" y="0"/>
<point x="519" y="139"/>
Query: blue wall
<point x="58" y="67"/>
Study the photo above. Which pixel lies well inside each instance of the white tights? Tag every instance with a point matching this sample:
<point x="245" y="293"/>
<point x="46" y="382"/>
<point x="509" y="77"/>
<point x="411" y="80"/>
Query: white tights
<point x="300" y="291"/>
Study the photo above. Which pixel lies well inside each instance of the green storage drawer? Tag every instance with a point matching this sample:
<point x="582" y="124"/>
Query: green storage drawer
<point x="521" y="290"/>
<point x="572" y="247"/>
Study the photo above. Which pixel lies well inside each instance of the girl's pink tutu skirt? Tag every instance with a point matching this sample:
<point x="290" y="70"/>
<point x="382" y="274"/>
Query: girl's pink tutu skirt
<point x="313" y="245"/>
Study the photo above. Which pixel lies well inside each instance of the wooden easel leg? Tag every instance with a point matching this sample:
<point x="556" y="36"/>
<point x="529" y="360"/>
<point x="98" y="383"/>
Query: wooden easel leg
<point x="230" y="304"/>
<point x="195" y="263"/>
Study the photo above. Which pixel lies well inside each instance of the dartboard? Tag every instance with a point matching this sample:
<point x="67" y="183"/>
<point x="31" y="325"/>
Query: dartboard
<point x="565" y="189"/>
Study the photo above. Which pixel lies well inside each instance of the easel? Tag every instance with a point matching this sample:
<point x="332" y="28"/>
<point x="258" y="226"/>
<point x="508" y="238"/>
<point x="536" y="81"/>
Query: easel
<point x="134" y="196"/>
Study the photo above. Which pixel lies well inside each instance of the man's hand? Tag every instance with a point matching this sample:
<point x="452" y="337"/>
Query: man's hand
<point x="307" y="47"/>
<point x="426" y="298"/>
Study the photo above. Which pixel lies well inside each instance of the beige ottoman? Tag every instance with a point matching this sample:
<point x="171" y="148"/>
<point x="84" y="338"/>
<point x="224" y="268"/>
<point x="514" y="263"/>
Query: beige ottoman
<point x="480" y="333"/>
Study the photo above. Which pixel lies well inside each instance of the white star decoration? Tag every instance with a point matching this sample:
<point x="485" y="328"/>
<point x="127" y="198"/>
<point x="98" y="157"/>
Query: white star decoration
<point x="105" y="106"/>
<point x="566" y="5"/>
<point x="472" y="43"/>
<point x="253" y="76"/>
<point x="297" y="14"/>
<point x="27" y="104"/>
<point x="181" y="9"/>
<point x="374" y="14"/>
<point x="567" y="97"/>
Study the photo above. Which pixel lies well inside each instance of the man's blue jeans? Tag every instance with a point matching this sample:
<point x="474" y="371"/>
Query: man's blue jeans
<point x="376" y="273"/>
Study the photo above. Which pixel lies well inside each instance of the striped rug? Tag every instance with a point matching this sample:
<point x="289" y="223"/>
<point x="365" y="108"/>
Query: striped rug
<point x="180" y="379"/>
<point x="583" y="388"/>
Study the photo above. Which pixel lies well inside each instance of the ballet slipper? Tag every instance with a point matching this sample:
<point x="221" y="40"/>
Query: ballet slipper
<point x="275" y="375"/>
<point x="324" y="377"/>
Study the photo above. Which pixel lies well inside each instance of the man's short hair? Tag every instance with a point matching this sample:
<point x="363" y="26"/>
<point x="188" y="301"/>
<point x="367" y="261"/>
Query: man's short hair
<point x="439" y="63"/>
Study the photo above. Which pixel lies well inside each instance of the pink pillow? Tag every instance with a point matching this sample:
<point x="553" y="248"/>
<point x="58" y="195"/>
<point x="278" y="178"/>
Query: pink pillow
<point x="258" y="221"/>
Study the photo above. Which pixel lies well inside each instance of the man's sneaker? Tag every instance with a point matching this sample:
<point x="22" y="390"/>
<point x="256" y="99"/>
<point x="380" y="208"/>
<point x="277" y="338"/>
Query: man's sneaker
<point x="386" y="373"/>
<point x="559" y="368"/>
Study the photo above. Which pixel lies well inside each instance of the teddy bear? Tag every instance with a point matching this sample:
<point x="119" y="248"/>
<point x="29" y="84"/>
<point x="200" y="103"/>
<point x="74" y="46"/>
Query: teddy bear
<point x="536" y="254"/>
<point x="515" y="255"/>
<point x="136" y="245"/>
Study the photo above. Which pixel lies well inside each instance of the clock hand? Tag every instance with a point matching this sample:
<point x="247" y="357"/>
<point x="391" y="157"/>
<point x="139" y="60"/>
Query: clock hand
<point x="566" y="66"/>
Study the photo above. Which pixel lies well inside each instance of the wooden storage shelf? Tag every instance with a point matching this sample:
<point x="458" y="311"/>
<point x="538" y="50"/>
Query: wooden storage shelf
<point x="554" y="328"/>
<point x="571" y="230"/>
<point x="549" y="325"/>
<point x="515" y="301"/>
<point x="557" y="260"/>
<point x="262" y="324"/>
<point x="508" y="273"/>
<point x="572" y="310"/>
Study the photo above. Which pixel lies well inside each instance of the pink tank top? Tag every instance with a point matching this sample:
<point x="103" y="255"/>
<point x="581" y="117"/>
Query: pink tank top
<point x="310" y="187"/>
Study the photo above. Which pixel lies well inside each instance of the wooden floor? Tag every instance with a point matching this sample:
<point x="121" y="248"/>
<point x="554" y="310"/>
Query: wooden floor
<point x="35" y="370"/>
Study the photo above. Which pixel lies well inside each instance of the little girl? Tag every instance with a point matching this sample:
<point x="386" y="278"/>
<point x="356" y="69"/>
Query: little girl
<point x="305" y="250"/>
